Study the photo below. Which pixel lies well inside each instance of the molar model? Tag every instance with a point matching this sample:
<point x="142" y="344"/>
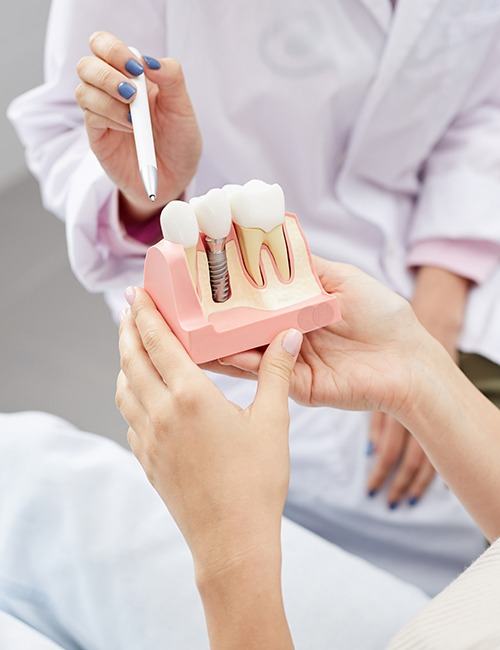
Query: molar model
<point x="247" y="278"/>
<point x="259" y="215"/>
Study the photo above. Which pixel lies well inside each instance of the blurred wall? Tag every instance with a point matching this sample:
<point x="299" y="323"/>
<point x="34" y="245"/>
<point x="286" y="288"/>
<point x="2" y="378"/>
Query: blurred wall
<point x="22" y="33"/>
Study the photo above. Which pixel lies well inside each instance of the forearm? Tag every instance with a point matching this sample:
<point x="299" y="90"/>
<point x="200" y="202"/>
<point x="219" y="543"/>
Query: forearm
<point x="439" y="301"/>
<point x="243" y="604"/>
<point x="460" y="431"/>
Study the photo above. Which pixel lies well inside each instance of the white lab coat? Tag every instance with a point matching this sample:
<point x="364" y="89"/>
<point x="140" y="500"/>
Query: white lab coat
<point x="383" y="137"/>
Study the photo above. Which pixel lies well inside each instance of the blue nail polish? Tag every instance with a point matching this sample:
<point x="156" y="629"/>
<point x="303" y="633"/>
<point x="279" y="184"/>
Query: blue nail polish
<point x="126" y="90"/>
<point x="134" y="67"/>
<point x="413" y="501"/>
<point x="152" y="63"/>
<point x="370" y="448"/>
<point x="129" y="117"/>
<point x="372" y="493"/>
<point x="393" y="505"/>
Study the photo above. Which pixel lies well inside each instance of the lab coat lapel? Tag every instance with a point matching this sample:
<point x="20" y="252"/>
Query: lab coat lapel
<point x="408" y="24"/>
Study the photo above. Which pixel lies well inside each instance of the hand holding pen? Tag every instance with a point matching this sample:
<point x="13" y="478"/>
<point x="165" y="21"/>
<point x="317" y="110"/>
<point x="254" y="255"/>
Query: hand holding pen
<point x="110" y="81"/>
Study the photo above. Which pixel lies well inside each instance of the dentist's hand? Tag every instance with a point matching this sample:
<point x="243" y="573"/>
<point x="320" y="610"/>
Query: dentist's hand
<point x="222" y="471"/>
<point x="399" y="459"/>
<point x="105" y="92"/>
<point x="365" y="362"/>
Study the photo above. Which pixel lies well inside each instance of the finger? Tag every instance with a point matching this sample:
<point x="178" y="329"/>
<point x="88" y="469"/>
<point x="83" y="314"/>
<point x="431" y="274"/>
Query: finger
<point x="413" y="457"/>
<point x="114" y="52"/>
<point x="101" y="75"/>
<point x="134" y="442"/>
<point x="228" y="371"/>
<point x="247" y="361"/>
<point x="168" y="75"/>
<point x="375" y="432"/>
<point x="129" y="406"/>
<point x="275" y="372"/>
<point x="100" y="123"/>
<point x="332" y="274"/>
<point x="97" y="101"/>
<point x="164" y="349"/>
<point x="421" y="482"/>
<point x="142" y="376"/>
<point x="388" y="454"/>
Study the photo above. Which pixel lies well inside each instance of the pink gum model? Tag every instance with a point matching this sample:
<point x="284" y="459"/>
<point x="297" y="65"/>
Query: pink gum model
<point x="168" y="282"/>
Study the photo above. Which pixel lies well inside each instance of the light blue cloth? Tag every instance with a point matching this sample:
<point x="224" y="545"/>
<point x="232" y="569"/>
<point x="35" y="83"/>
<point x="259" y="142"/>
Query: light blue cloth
<point x="90" y="557"/>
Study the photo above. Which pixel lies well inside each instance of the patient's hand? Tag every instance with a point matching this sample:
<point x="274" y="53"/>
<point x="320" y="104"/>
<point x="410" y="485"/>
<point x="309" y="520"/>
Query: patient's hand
<point x="364" y="362"/>
<point x="222" y="471"/>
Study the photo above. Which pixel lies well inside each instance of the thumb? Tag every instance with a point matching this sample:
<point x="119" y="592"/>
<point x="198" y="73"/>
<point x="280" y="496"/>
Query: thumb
<point x="276" y="369"/>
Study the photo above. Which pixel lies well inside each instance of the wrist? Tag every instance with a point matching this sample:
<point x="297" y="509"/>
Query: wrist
<point x="429" y="364"/>
<point x="222" y="554"/>
<point x="243" y="600"/>
<point x="435" y="287"/>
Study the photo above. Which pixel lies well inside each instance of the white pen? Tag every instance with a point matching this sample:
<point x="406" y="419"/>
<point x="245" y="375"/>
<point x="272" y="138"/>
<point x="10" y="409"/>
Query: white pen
<point x="143" y="134"/>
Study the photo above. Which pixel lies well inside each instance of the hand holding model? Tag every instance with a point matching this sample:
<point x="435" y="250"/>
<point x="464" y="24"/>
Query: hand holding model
<point x="223" y="472"/>
<point x="105" y="93"/>
<point x="363" y="362"/>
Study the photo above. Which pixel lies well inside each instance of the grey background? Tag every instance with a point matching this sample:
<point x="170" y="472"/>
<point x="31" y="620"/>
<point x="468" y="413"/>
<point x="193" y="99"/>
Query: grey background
<point x="58" y="345"/>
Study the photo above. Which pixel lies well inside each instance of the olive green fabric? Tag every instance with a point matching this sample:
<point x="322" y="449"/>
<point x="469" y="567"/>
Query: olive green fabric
<point x="484" y="374"/>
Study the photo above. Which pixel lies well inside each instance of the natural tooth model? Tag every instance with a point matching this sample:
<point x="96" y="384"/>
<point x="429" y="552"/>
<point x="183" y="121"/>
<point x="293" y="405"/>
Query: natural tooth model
<point x="259" y="214"/>
<point x="230" y="189"/>
<point x="213" y="212"/>
<point x="180" y="226"/>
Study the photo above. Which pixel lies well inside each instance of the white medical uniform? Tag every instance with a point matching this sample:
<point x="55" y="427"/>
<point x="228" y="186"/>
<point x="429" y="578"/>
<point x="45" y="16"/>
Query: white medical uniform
<point x="384" y="131"/>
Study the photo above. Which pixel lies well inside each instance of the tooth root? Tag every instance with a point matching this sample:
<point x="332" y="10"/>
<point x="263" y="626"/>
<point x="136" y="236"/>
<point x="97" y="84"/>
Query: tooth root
<point x="250" y="241"/>
<point x="191" y="260"/>
<point x="276" y="242"/>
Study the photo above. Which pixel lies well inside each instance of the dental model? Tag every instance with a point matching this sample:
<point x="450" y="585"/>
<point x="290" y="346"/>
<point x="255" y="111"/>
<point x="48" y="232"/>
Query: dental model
<point x="219" y="293"/>
<point x="213" y="212"/>
<point x="180" y="226"/>
<point x="259" y="214"/>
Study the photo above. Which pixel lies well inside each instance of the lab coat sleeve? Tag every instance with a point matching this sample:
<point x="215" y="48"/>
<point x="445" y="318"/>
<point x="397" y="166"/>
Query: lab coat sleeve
<point x="50" y="124"/>
<point x="456" y="223"/>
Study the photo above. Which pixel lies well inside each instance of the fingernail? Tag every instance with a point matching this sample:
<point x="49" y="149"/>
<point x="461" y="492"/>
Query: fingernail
<point x="130" y="295"/>
<point x="126" y="90"/>
<point x="134" y="67"/>
<point x="129" y="117"/>
<point x="372" y="493"/>
<point x="413" y="501"/>
<point x="291" y="342"/>
<point x="370" y="448"/>
<point x="152" y="63"/>
<point x="393" y="505"/>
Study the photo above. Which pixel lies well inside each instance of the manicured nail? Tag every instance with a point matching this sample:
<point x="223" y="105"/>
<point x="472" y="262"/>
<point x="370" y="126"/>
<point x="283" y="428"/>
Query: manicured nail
<point x="152" y="63"/>
<point x="130" y="295"/>
<point x="413" y="501"/>
<point x="372" y="493"/>
<point x="393" y="505"/>
<point x="134" y="67"/>
<point x="370" y="448"/>
<point x="126" y="90"/>
<point x="292" y="341"/>
<point x="129" y="117"/>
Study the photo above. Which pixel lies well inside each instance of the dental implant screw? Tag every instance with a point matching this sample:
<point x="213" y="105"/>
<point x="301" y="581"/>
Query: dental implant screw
<point x="217" y="266"/>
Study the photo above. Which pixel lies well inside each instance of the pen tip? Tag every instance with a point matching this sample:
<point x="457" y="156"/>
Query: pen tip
<point x="152" y="197"/>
